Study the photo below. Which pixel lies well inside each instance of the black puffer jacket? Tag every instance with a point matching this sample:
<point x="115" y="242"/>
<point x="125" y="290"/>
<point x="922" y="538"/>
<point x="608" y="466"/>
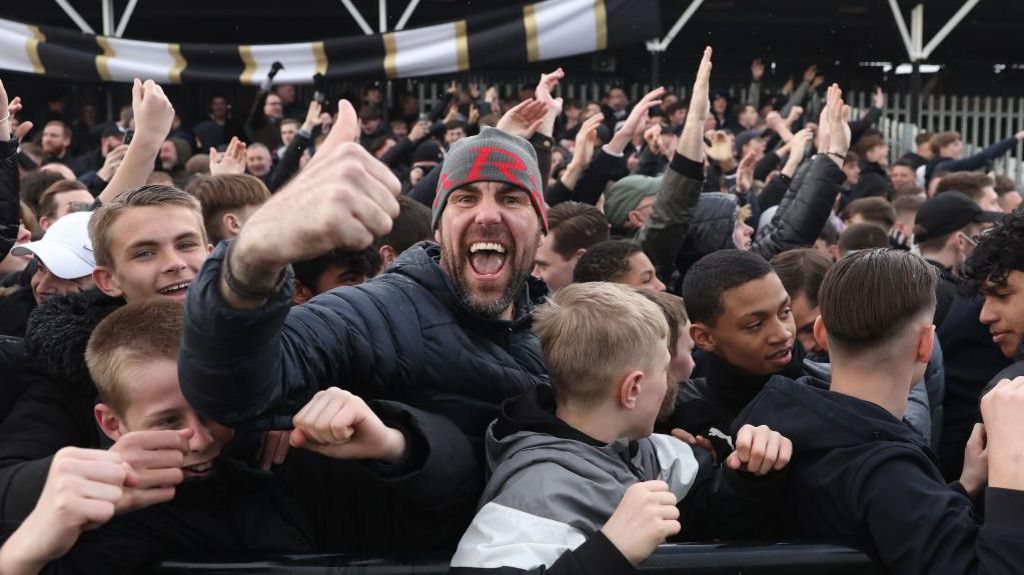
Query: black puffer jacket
<point x="13" y="360"/>
<point x="402" y="336"/>
<point x="710" y="230"/>
<point x="804" y="209"/>
<point x="10" y="207"/>
<point x="55" y="410"/>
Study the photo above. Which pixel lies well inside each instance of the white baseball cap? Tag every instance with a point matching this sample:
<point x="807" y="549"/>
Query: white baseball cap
<point x="65" y="249"/>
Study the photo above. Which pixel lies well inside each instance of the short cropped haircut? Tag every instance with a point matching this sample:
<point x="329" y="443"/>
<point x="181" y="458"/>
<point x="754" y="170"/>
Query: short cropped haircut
<point x="1004" y="185"/>
<point x="102" y="221"/>
<point x="410" y="227"/>
<point x="905" y="191"/>
<point x="907" y="204"/>
<point x="592" y="334"/>
<point x="48" y="201"/>
<point x="34" y="184"/>
<point x="868" y="142"/>
<point x="876" y="210"/>
<point x="715" y="274"/>
<point x="675" y="314"/>
<point x="605" y="262"/>
<point x="363" y="262"/>
<point x="872" y="296"/>
<point x="829" y="233"/>
<point x="971" y="184"/>
<point x="905" y="163"/>
<point x="574" y="226"/>
<point x="221" y="194"/>
<point x="801" y="271"/>
<point x="63" y="126"/>
<point x="134" y="334"/>
<point x="923" y="138"/>
<point x="941" y="140"/>
<point x="999" y="252"/>
<point x="289" y="122"/>
<point x="862" y="237"/>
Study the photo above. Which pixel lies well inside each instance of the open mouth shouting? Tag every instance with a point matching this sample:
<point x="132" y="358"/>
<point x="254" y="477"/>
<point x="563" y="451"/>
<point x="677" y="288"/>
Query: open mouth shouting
<point x="487" y="260"/>
<point x="176" y="290"/>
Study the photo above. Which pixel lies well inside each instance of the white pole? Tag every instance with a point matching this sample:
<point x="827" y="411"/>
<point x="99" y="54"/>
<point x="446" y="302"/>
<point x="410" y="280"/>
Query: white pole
<point x="126" y="16"/>
<point x="75" y="16"/>
<point x="407" y="14"/>
<point x="356" y="16"/>
<point x="898" y="16"/>
<point x="945" y="30"/>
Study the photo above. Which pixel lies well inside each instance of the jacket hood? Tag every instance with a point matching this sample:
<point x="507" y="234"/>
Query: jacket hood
<point x="59" y="329"/>
<point x="713" y="223"/>
<point x="528" y="431"/>
<point x="421" y="263"/>
<point x="816" y="419"/>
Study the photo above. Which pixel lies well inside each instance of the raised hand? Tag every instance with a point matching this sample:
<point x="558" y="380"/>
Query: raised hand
<point x="343" y="198"/>
<point x="759" y="450"/>
<point x="699" y="441"/>
<point x="878" y="98"/>
<point x="586" y="140"/>
<point x="111" y="163"/>
<point x="636" y="120"/>
<point x="794" y="114"/>
<point x="542" y="93"/>
<point x="797" y="150"/>
<point x="156" y="458"/>
<point x="523" y="119"/>
<point x="745" y="173"/>
<point x="312" y="116"/>
<point x="646" y="516"/>
<point x="152" y="111"/>
<point x="82" y="488"/>
<point x="720" y="149"/>
<point x="420" y="130"/>
<point x="9" y="110"/>
<point x="691" y="142"/>
<point x="835" y="120"/>
<point x="232" y="161"/>
<point x="340" y="425"/>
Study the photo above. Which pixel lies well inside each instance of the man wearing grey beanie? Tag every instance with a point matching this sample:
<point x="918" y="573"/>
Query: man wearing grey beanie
<point x="445" y="329"/>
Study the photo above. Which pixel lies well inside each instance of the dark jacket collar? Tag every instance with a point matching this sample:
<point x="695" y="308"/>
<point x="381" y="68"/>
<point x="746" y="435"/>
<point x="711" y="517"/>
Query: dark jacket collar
<point x="535" y="411"/>
<point x="421" y="263"/>
<point x="736" y="388"/>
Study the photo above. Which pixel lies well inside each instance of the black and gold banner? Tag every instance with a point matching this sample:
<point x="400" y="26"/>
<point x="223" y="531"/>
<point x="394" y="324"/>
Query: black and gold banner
<point x="505" y="37"/>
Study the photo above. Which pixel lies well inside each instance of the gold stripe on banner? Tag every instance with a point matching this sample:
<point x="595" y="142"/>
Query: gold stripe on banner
<point x="390" y="56"/>
<point x="601" y="24"/>
<point x="32" y="47"/>
<point x="461" y="46"/>
<point x="320" y="55"/>
<point x="530" y="24"/>
<point x="101" y="59"/>
<point x="245" y="52"/>
<point x="179" y="63"/>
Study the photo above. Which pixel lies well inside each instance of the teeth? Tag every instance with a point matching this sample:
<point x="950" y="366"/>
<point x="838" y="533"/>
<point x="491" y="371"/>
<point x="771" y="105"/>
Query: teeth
<point x="174" y="287"/>
<point x="201" y="467"/>
<point x="478" y="246"/>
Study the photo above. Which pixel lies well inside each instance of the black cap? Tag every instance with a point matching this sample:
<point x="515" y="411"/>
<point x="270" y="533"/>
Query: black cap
<point x="948" y="212"/>
<point x="112" y="131"/>
<point x="428" y="151"/>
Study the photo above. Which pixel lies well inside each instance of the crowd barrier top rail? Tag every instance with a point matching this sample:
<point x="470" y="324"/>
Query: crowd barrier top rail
<point x="687" y="559"/>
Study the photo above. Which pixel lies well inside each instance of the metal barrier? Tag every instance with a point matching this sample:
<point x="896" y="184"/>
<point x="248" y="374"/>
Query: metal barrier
<point x="688" y="559"/>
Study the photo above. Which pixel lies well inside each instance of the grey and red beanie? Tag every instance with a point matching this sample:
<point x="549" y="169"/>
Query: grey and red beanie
<point x="491" y="156"/>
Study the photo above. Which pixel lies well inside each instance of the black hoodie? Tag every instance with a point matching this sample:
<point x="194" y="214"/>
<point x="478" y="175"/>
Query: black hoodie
<point x="861" y="476"/>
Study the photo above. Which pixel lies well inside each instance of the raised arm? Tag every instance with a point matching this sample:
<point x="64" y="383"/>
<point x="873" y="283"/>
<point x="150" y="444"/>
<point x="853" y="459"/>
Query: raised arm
<point x="153" y="116"/>
<point x="665" y="231"/>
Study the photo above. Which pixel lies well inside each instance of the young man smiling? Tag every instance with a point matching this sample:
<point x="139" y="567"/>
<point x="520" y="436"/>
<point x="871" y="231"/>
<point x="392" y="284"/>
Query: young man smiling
<point x="446" y="328"/>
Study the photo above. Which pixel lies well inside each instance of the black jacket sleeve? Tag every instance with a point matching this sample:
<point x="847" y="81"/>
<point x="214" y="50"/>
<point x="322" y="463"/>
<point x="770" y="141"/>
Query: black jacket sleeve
<point x="400" y="154"/>
<point x="10" y="207"/>
<point x="979" y="160"/>
<point x="256" y="120"/>
<point x="799" y="222"/>
<point x="773" y="191"/>
<point x="859" y="126"/>
<point x="426" y="189"/>
<point x="665" y="231"/>
<point x="891" y="499"/>
<point x="289" y="163"/>
<point x="596" y="176"/>
<point x="542" y="146"/>
<point x="728" y="504"/>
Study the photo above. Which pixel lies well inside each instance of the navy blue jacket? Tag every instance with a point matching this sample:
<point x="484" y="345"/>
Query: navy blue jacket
<point x="403" y="336"/>
<point x="861" y="476"/>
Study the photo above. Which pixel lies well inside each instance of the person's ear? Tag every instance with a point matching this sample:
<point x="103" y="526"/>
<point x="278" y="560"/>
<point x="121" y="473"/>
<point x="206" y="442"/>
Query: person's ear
<point x="702" y="337"/>
<point x="579" y="254"/>
<point x="231" y="225"/>
<point x="437" y="234"/>
<point x="629" y="389"/>
<point x="44" y="223"/>
<point x="106" y="281"/>
<point x="925" y="343"/>
<point x="302" y="293"/>
<point x="387" y="256"/>
<point x="108" y="421"/>
<point x="820" y="333"/>
<point x="634" y="219"/>
<point x="833" y="251"/>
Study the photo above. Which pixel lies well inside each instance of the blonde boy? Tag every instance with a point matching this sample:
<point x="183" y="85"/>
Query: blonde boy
<point x="579" y="483"/>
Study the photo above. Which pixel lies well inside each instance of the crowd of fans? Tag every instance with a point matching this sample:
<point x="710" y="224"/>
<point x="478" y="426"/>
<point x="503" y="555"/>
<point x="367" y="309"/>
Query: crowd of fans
<point x="536" y="334"/>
